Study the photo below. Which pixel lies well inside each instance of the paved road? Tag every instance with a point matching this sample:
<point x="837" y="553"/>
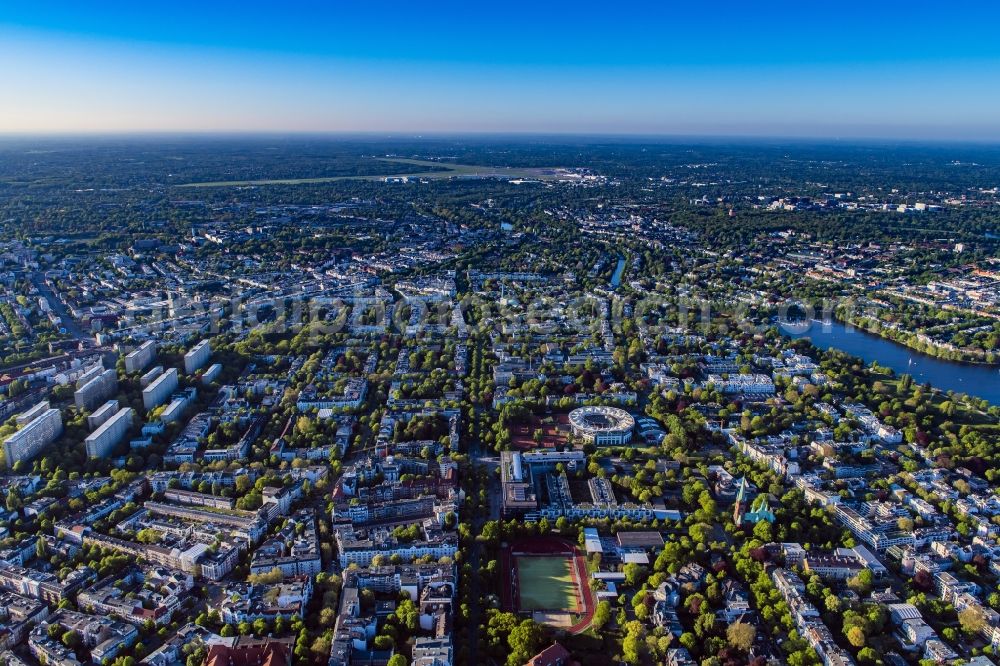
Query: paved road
<point x="58" y="306"/>
<point x="476" y="615"/>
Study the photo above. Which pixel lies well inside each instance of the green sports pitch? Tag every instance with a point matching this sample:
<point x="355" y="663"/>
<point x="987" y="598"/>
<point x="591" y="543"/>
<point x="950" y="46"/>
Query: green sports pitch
<point x="547" y="583"/>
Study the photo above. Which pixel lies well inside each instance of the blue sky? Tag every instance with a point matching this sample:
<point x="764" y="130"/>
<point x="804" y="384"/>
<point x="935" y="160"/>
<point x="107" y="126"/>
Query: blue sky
<point x="827" y="69"/>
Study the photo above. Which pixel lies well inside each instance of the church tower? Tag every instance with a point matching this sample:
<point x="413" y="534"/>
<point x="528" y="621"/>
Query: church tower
<point x="740" y="500"/>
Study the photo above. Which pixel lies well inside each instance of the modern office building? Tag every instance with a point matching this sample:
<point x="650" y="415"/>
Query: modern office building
<point x="36" y="434"/>
<point x="140" y="357"/>
<point x="162" y="388"/>
<point x="102" y="441"/>
<point x="197" y="357"/>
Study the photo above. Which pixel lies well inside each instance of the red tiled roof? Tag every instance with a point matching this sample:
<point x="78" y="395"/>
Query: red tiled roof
<point x="554" y="655"/>
<point x="257" y="653"/>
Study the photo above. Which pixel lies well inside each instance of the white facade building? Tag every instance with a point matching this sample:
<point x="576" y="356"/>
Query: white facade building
<point x="34" y="436"/>
<point x="140" y="357"/>
<point x="197" y="357"/>
<point x="162" y="388"/>
<point x="102" y="441"/>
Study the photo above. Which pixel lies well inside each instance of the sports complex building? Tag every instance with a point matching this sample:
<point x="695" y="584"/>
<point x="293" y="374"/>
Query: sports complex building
<point x="602" y="426"/>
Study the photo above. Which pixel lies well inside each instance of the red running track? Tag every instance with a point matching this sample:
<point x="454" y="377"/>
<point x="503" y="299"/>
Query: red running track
<point x="547" y="546"/>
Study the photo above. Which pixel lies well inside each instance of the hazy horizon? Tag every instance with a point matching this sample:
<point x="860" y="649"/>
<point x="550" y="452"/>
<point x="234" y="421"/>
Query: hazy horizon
<point x="553" y="137"/>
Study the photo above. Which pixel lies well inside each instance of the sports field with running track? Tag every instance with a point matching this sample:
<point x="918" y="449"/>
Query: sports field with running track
<point x="547" y="582"/>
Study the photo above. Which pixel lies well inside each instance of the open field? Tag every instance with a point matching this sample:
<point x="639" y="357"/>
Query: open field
<point x="546" y="582"/>
<point x="436" y="170"/>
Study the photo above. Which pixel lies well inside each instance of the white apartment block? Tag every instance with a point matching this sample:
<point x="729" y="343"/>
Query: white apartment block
<point x="740" y="383"/>
<point x="96" y="390"/>
<point x="27" y="417"/>
<point x="140" y="357"/>
<point x="102" y="414"/>
<point x="34" y="436"/>
<point x="162" y="388"/>
<point x="197" y="357"/>
<point x="150" y="376"/>
<point x="102" y="441"/>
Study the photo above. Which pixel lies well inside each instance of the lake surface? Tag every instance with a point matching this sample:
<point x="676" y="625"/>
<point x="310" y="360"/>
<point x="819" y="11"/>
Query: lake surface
<point x="978" y="380"/>
<point x="616" y="279"/>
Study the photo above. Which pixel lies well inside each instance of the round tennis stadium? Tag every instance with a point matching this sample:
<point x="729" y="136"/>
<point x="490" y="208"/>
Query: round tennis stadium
<point x="602" y="426"/>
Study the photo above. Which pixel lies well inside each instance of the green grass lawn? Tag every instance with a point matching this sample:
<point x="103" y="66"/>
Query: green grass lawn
<point x="437" y="170"/>
<point x="546" y="583"/>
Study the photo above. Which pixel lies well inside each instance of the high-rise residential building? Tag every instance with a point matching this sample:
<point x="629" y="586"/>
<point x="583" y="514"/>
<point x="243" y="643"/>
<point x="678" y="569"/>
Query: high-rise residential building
<point x="40" y="427"/>
<point x="27" y="417"/>
<point x="197" y="357"/>
<point x="102" y="414"/>
<point x="162" y="388"/>
<point x="150" y="376"/>
<point x="102" y="441"/>
<point x="140" y="357"/>
<point x="97" y="390"/>
<point x="211" y="374"/>
<point x="89" y="374"/>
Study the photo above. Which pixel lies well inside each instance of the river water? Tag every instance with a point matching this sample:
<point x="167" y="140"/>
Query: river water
<point x="978" y="380"/>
